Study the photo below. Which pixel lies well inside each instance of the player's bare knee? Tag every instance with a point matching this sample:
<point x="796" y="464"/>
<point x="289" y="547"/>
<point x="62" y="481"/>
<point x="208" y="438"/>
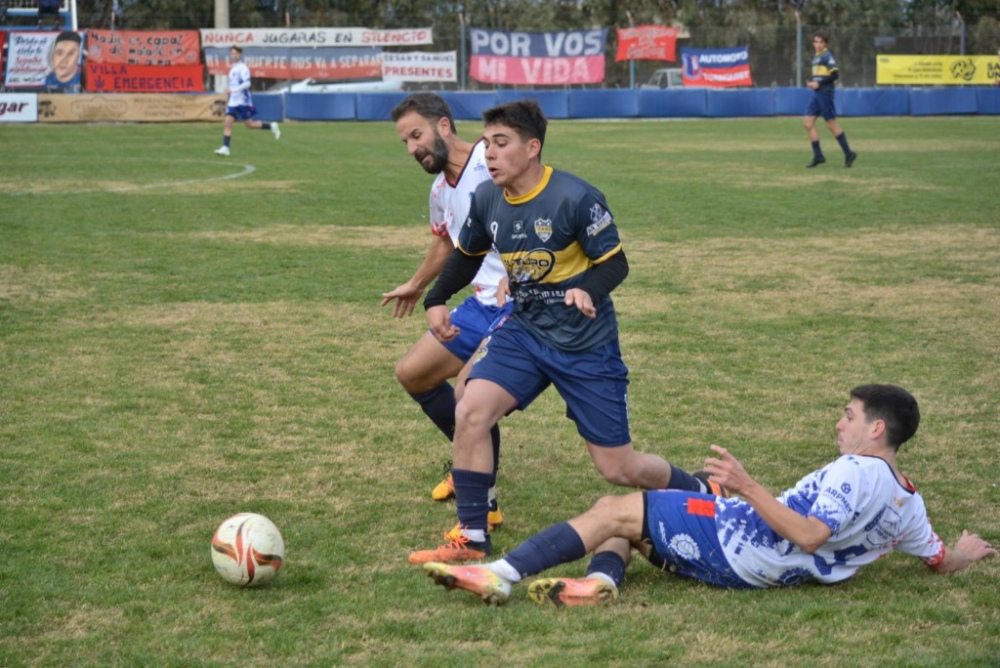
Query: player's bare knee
<point x="472" y="417"/>
<point x="615" y="511"/>
<point x="615" y="474"/>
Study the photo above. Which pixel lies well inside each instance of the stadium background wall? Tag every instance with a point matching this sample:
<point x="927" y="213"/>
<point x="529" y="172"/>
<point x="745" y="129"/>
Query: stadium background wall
<point x="573" y="104"/>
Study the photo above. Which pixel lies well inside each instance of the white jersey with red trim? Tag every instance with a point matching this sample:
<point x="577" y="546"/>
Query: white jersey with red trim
<point x="869" y="512"/>
<point x="450" y="209"/>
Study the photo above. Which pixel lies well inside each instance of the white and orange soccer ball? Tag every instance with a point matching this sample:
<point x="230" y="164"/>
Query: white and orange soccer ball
<point x="247" y="550"/>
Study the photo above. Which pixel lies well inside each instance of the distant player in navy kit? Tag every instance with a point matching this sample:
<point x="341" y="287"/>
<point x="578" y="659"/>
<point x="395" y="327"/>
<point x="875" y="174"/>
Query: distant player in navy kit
<point x="240" y="104"/>
<point x="824" y="77"/>
<point x="832" y="522"/>
<point x="559" y="244"/>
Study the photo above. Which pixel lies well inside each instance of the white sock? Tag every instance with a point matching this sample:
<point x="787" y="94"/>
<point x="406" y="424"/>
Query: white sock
<point x="475" y="535"/>
<point x="504" y="570"/>
<point x="597" y="575"/>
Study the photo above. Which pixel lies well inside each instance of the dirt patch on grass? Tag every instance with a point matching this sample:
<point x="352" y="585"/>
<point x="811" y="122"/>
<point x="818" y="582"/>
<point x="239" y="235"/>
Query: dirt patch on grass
<point x="323" y="235"/>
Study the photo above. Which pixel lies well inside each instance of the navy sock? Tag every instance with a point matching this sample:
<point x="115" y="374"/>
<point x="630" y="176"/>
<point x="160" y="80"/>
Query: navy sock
<point x="681" y="479"/>
<point x="842" y="140"/>
<point x="472" y="498"/>
<point x="495" y="437"/>
<point x="816" y="150"/>
<point x="439" y="405"/>
<point x="226" y="140"/>
<point x="610" y="564"/>
<point x="558" y="544"/>
<point x="265" y="126"/>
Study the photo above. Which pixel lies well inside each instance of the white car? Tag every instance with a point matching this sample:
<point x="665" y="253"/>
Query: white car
<point x="337" y="86"/>
<point x="669" y="77"/>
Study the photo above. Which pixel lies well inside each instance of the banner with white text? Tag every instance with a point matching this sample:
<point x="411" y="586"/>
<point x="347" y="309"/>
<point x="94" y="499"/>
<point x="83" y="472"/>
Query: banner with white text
<point x="419" y="66"/>
<point x="716" y="68"/>
<point x="937" y="70"/>
<point x="301" y="62"/>
<point x="538" y="58"/>
<point x="647" y="43"/>
<point x="285" y="37"/>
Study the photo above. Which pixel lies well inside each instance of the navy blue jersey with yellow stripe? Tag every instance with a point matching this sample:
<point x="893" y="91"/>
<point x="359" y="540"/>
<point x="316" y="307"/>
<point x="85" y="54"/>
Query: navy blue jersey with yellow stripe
<point x="824" y="70"/>
<point x="549" y="240"/>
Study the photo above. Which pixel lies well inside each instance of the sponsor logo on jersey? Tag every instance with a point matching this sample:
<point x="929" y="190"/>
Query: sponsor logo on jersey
<point x="599" y="219"/>
<point x="543" y="229"/>
<point x="532" y="266"/>
<point x="840" y="498"/>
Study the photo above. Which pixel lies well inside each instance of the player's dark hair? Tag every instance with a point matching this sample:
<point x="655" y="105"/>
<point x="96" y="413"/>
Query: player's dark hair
<point x="69" y="36"/>
<point x="238" y="49"/>
<point x="429" y="105"/>
<point x="894" y="406"/>
<point x="822" y="35"/>
<point x="524" y="116"/>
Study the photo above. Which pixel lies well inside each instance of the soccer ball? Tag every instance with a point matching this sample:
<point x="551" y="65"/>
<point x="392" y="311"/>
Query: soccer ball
<point x="247" y="550"/>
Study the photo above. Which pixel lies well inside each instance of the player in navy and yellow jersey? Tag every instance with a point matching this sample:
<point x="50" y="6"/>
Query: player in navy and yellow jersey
<point x="824" y="77"/>
<point x="558" y="241"/>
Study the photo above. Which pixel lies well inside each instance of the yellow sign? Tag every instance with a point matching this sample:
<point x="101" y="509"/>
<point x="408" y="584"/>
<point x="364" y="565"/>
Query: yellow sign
<point x="938" y="70"/>
<point x="123" y="107"/>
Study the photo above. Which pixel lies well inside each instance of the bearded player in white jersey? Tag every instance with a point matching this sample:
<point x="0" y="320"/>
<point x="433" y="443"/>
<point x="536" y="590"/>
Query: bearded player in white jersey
<point x="425" y="124"/>
<point x="834" y="521"/>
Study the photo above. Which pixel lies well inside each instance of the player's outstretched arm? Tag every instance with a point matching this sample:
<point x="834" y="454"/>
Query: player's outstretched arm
<point x="407" y="295"/>
<point x="968" y="549"/>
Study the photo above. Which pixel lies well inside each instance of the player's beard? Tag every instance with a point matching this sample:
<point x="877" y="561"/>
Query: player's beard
<point x="439" y="152"/>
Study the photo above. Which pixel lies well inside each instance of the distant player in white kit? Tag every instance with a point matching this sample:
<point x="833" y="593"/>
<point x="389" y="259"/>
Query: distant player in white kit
<point x="240" y="104"/>
<point x="424" y="122"/>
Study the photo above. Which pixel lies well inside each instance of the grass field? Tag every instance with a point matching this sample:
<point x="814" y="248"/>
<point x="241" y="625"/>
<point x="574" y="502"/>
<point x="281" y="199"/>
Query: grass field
<point x="183" y="337"/>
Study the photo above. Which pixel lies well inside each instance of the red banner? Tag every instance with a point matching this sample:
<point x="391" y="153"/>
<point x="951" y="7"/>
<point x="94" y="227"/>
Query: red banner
<point x="116" y="78"/>
<point x="129" y="47"/>
<point x="3" y="37"/>
<point x="647" y="43"/>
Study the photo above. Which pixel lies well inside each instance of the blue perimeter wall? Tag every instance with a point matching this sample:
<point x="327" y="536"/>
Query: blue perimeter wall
<point x="672" y="103"/>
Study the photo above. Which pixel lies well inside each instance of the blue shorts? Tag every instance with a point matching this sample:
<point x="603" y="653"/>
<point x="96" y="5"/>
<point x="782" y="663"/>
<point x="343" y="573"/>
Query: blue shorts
<point x="242" y="112"/>
<point x="681" y="528"/>
<point x="594" y="383"/>
<point x="821" y="104"/>
<point x="476" y="321"/>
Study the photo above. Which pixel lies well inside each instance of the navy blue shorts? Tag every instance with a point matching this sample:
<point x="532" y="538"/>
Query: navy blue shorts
<point x="242" y="112"/>
<point x="681" y="528"/>
<point x="475" y="320"/>
<point x="594" y="383"/>
<point x="822" y="104"/>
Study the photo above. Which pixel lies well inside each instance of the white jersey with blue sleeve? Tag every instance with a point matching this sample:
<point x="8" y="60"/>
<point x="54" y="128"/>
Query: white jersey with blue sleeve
<point x="239" y="86"/>
<point x="449" y="209"/>
<point x="866" y="508"/>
